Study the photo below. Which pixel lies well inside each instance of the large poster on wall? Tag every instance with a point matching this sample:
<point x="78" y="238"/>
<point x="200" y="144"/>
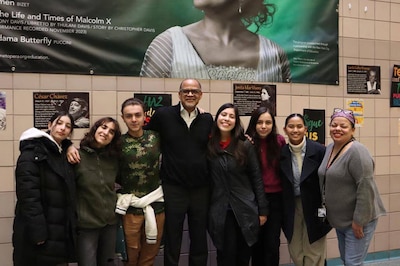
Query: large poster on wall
<point x="111" y="38"/>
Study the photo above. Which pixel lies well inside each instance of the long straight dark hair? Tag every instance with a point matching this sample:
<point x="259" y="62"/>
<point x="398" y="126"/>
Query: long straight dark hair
<point x="56" y="116"/>
<point x="237" y="136"/>
<point x="273" y="151"/>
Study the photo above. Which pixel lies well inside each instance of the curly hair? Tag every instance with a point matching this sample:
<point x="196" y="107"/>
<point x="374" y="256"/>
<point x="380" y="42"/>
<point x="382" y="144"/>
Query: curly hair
<point x="259" y="13"/>
<point x="114" y="147"/>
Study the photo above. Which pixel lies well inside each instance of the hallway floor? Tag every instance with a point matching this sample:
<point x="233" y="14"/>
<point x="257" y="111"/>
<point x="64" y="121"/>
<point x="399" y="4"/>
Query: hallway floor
<point x="394" y="262"/>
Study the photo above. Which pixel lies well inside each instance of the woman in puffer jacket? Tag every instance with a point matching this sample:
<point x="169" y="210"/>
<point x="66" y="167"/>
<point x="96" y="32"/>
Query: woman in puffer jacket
<point x="45" y="217"/>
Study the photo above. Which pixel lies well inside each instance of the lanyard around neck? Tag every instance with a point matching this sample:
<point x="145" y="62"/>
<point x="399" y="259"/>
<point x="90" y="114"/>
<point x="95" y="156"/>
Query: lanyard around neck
<point x="328" y="165"/>
<point x="338" y="153"/>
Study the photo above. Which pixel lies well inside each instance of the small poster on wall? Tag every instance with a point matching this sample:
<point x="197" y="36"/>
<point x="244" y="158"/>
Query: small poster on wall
<point x="363" y="79"/>
<point x="395" y="89"/>
<point x="357" y="106"/>
<point x="153" y="102"/>
<point x="3" y="116"/>
<point x="45" y="104"/>
<point x="315" y="122"/>
<point x="248" y="97"/>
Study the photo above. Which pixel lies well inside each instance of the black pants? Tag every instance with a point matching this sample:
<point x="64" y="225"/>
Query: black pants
<point x="179" y="203"/>
<point x="235" y="251"/>
<point x="266" y="251"/>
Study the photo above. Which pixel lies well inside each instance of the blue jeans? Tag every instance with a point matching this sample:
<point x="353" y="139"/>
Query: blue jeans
<point x="352" y="250"/>
<point x="97" y="246"/>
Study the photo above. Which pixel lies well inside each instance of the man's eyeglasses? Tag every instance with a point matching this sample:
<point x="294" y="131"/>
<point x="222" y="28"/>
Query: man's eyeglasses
<point x="340" y="110"/>
<point x="187" y="92"/>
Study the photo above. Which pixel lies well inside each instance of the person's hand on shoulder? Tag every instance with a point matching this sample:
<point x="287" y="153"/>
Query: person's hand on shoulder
<point x="73" y="155"/>
<point x="249" y="138"/>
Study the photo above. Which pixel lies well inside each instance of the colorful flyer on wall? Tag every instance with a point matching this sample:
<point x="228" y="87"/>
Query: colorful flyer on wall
<point x="3" y="116"/>
<point x="153" y="102"/>
<point x="248" y="97"/>
<point x="395" y="89"/>
<point x="357" y="106"/>
<point x="315" y="122"/>
<point x="45" y="104"/>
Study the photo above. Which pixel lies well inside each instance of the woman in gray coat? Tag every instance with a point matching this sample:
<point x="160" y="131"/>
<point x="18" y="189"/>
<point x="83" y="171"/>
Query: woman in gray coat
<point x="353" y="204"/>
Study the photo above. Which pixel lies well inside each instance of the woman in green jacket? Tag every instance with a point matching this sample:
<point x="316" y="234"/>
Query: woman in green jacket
<point x="96" y="198"/>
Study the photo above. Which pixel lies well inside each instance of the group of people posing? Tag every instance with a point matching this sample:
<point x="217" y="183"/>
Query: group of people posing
<point x="242" y="187"/>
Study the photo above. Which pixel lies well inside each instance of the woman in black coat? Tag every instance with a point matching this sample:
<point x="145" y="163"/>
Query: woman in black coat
<point x="238" y="205"/>
<point x="300" y="159"/>
<point x="44" y="224"/>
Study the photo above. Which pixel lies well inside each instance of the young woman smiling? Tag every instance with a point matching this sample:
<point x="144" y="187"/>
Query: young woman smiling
<point x="238" y="206"/>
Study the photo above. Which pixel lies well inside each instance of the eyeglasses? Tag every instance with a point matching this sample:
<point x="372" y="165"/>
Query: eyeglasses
<point x="194" y="92"/>
<point x="345" y="111"/>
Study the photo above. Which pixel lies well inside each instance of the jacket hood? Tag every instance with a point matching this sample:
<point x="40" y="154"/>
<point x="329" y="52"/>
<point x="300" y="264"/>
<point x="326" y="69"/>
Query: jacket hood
<point x="34" y="133"/>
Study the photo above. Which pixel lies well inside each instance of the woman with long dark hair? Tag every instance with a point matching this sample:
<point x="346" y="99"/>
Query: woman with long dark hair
<point x="238" y="205"/>
<point x="45" y="217"/>
<point x="268" y="143"/>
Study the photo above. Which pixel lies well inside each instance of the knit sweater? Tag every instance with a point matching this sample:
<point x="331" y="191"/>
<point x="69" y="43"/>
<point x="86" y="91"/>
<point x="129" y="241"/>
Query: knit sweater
<point x="271" y="179"/>
<point x="350" y="189"/>
<point x="184" y="150"/>
<point x="298" y="151"/>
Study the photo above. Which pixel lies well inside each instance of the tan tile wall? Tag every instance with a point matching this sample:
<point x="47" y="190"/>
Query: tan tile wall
<point x="369" y="37"/>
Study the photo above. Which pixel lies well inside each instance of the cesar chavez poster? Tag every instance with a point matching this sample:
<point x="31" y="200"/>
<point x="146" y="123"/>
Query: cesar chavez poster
<point x="111" y="37"/>
<point x="46" y="104"/>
